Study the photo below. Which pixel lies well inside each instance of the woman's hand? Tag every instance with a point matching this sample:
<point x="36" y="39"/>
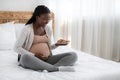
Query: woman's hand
<point x="40" y="56"/>
<point x="62" y="42"/>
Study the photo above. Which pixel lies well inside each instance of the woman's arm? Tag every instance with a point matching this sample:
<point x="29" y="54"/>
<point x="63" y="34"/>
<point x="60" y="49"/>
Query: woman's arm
<point x="51" y="39"/>
<point x="60" y="42"/>
<point x="20" y="42"/>
<point x="40" y="39"/>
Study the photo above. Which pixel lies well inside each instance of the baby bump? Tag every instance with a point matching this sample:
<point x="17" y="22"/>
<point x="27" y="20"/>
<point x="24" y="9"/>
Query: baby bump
<point x="40" y="48"/>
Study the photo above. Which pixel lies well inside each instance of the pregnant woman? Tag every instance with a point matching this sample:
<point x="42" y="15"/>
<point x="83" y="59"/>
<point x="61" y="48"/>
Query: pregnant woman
<point x="35" y="43"/>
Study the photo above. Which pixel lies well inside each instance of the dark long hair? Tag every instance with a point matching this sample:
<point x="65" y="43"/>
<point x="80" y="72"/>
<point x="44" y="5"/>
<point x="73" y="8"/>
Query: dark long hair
<point x="41" y="9"/>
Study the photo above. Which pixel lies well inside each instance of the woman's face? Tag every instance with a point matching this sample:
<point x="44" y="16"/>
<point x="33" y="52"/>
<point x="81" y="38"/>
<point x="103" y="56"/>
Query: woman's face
<point x="43" y="19"/>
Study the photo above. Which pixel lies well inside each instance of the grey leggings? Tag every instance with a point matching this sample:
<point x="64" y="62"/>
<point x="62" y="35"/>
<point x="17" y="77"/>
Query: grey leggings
<point x="51" y="64"/>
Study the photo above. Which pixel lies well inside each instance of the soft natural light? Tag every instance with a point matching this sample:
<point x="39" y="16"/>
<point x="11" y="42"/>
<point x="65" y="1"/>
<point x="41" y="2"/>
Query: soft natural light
<point x="91" y="25"/>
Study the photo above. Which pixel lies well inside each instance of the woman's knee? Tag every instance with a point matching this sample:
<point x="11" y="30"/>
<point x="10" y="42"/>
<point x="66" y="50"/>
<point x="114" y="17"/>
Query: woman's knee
<point x="25" y="58"/>
<point x="73" y="55"/>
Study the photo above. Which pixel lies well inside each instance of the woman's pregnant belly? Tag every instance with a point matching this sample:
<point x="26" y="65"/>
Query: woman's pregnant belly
<point x="40" y="49"/>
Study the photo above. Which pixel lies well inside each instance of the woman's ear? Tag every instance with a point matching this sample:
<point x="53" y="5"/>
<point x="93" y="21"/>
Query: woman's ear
<point x="37" y="18"/>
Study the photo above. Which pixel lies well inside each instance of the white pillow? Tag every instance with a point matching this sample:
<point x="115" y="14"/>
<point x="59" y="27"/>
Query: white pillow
<point x="7" y="36"/>
<point x="18" y="28"/>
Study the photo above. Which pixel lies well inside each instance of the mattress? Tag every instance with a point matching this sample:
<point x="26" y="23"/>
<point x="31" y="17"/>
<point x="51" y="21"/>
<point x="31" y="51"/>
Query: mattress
<point x="87" y="67"/>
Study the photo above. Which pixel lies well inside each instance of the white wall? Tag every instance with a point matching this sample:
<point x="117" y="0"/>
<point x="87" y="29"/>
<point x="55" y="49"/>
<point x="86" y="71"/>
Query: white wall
<point x="21" y="5"/>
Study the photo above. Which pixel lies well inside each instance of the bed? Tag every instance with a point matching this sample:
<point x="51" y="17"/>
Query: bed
<point x="87" y="67"/>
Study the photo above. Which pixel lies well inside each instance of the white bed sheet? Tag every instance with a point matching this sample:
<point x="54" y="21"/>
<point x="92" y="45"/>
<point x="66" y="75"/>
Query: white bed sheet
<point x="87" y="67"/>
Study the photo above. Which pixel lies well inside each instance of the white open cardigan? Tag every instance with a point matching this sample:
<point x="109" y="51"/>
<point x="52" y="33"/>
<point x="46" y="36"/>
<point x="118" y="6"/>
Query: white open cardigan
<point x="25" y="40"/>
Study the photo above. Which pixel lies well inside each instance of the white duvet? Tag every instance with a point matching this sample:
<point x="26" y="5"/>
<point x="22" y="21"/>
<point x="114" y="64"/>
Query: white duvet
<point x="87" y="67"/>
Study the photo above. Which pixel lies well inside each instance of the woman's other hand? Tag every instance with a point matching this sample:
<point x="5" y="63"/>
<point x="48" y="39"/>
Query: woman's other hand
<point x="62" y="42"/>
